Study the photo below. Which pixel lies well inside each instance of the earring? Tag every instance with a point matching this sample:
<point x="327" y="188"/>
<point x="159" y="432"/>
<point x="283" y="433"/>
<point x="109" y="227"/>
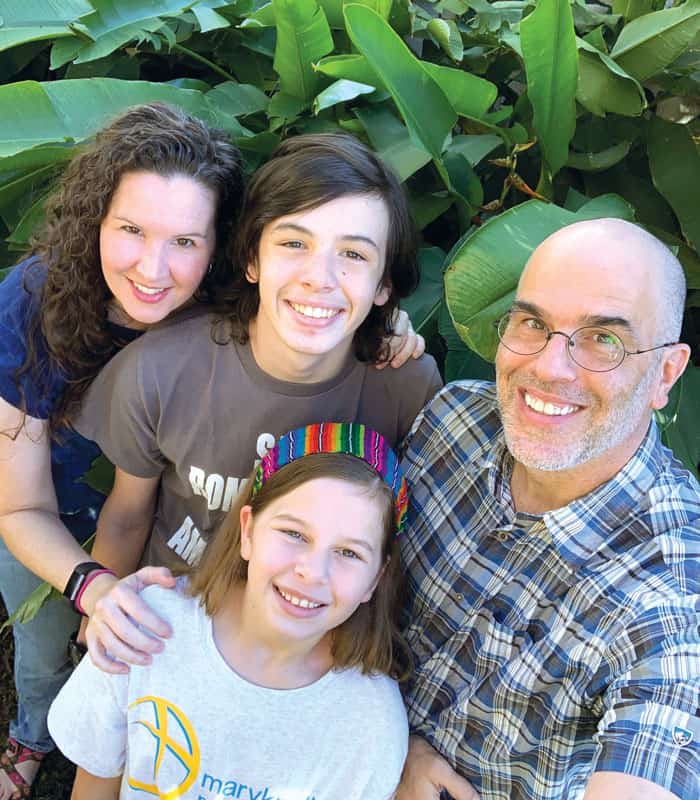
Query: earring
<point x="210" y="268"/>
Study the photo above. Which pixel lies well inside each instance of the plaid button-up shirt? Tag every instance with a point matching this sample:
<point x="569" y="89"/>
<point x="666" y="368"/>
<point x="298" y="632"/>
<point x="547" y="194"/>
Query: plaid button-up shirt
<point x="549" y="647"/>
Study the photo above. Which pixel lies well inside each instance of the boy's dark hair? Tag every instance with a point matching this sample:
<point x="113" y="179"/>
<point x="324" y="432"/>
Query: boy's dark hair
<point x="72" y="310"/>
<point x="303" y="173"/>
<point x="370" y="639"/>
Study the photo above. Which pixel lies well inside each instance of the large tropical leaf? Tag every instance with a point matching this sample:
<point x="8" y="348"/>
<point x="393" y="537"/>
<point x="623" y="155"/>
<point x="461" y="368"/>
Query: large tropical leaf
<point x="460" y="361"/>
<point x="447" y="35"/>
<point x="35" y="20"/>
<point x="549" y="52"/>
<point x="423" y="305"/>
<point x="421" y="102"/>
<point x="603" y="159"/>
<point x="631" y="9"/>
<point x="469" y="95"/>
<point x="303" y="37"/>
<point x="603" y="86"/>
<point x="350" y="67"/>
<point x="651" y="42"/>
<point x="392" y="141"/>
<point x="340" y="91"/>
<point x="71" y="110"/>
<point x="680" y="421"/>
<point x="675" y="168"/>
<point x="484" y="268"/>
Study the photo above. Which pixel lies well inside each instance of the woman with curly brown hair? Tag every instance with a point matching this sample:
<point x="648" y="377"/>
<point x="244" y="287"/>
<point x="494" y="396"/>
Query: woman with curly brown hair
<point x="135" y="232"/>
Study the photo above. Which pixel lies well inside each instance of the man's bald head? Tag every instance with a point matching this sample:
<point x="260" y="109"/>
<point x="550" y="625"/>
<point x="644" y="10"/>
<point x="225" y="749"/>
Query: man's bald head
<point x="625" y="246"/>
<point x="599" y="276"/>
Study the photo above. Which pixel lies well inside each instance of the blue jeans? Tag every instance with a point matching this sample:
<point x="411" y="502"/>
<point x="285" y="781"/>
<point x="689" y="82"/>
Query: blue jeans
<point x="41" y="658"/>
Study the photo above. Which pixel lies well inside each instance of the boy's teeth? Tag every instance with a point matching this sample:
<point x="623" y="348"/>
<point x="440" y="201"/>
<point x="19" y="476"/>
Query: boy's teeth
<point x="549" y="409"/>
<point x="314" y="311"/>
<point x="147" y="289"/>
<point x="299" y="601"/>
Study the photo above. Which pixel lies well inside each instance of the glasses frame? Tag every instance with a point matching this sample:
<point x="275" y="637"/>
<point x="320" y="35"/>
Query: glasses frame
<point x="570" y="343"/>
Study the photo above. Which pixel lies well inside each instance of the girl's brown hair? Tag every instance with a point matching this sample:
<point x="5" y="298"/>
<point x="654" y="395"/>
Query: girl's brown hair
<point x="305" y="172"/>
<point x="370" y="638"/>
<point x="71" y="309"/>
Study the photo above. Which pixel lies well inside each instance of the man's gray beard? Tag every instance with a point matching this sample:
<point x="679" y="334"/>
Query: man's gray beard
<point x="624" y="417"/>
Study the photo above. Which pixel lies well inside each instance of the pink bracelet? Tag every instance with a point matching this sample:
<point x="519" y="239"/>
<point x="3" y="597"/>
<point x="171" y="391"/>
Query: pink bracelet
<point x="88" y="580"/>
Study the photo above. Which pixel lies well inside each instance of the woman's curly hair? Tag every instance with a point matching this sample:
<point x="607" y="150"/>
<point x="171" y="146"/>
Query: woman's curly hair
<point x="303" y="173"/>
<point x="71" y="313"/>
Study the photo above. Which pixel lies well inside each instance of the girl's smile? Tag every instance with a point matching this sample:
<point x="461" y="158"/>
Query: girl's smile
<point x="314" y="555"/>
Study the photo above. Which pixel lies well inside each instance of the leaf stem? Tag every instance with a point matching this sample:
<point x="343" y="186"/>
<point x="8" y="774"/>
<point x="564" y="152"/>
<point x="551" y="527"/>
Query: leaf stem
<point x="197" y="57"/>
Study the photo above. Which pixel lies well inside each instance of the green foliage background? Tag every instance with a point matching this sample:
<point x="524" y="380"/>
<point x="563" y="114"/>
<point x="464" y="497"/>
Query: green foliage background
<point x="505" y="120"/>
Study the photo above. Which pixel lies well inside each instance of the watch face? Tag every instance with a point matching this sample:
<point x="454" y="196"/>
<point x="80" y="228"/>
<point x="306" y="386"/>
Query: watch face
<point x="76" y="650"/>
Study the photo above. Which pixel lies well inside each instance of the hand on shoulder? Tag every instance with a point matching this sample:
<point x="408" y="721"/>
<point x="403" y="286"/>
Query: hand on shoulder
<point x="122" y="628"/>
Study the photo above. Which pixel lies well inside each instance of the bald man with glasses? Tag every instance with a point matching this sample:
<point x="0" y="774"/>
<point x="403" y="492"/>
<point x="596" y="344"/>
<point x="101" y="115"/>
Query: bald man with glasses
<point x="553" y="545"/>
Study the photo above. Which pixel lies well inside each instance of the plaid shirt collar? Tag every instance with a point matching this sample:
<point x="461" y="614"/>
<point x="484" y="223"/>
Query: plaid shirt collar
<point x="611" y="504"/>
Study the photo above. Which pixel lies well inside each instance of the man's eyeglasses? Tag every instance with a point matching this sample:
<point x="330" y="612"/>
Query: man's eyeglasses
<point x="591" y="347"/>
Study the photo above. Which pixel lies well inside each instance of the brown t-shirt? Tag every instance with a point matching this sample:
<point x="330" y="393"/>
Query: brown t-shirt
<point x="200" y="414"/>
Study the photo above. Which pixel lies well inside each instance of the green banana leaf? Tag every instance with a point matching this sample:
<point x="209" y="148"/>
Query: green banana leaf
<point x="36" y="20"/>
<point x="340" y="91"/>
<point x="421" y="102"/>
<point x="447" y="35"/>
<point x="303" y="36"/>
<point x="71" y="110"/>
<point x="484" y="267"/>
<point x="424" y="304"/>
<point x="674" y="160"/>
<point x="680" y="422"/>
<point x="549" y="52"/>
<point x="603" y="86"/>
<point x="391" y="140"/>
<point x="651" y="42"/>
<point x="350" y="67"/>
<point x="603" y="159"/>
<point x="469" y="95"/>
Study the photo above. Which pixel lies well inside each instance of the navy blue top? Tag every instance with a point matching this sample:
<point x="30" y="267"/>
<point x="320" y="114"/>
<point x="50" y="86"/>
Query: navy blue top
<point x="71" y="456"/>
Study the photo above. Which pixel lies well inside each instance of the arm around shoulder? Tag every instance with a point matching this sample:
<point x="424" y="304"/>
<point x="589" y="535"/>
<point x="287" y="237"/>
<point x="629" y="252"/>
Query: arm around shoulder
<point x="123" y="527"/>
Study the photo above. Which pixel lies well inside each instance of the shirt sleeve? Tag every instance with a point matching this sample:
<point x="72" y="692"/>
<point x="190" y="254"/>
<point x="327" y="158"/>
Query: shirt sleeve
<point x="17" y="303"/>
<point x="651" y="725"/>
<point x="121" y="410"/>
<point x="88" y="720"/>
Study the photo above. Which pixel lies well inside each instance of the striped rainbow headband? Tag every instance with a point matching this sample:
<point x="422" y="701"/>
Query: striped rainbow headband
<point x="339" y="437"/>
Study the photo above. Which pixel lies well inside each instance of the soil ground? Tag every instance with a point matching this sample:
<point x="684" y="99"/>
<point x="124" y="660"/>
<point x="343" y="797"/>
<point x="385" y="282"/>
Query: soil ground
<point x="56" y="775"/>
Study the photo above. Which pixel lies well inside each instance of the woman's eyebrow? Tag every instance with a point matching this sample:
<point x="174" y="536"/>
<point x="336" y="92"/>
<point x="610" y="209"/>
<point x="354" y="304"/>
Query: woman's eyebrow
<point x="179" y="235"/>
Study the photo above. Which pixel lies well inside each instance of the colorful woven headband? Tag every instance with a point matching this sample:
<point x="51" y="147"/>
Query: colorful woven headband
<point x="339" y="437"/>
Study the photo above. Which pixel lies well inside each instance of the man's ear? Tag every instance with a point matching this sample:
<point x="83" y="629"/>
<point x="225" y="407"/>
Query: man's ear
<point x="675" y="360"/>
<point x="246" y="520"/>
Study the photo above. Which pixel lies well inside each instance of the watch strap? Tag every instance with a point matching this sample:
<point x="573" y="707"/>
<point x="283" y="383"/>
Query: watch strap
<point x="77" y="579"/>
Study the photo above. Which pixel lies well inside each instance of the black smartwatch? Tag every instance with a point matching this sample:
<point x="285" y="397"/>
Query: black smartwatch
<point x="77" y="579"/>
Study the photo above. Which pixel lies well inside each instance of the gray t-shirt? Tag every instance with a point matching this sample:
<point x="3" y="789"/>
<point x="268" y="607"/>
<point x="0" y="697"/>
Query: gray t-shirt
<point x="199" y="414"/>
<point x="189" y="724"/>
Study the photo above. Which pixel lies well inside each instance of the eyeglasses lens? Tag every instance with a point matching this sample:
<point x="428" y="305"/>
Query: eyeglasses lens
<point x="593" y="348"/>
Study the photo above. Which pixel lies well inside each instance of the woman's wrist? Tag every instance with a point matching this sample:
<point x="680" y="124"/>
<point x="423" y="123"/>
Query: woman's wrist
<point x="98" y="583"/>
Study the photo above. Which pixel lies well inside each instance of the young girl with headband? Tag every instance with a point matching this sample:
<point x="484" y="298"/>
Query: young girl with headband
<point x="279" y="679"/>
